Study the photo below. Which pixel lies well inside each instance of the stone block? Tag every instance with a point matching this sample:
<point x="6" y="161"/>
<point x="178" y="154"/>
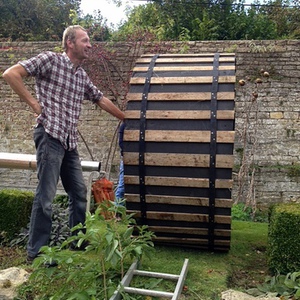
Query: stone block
<point x="276" y="115"/>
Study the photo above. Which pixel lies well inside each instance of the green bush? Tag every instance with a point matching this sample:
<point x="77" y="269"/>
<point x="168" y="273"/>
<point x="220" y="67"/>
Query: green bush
<point x="241" y="212"/>
<point x="284" y="238"/>
<point x="15" y="209"/>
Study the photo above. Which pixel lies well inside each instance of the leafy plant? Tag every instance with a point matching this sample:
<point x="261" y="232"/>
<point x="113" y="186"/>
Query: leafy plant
<point x="285" y="286"/>
<point x="242" y="212"/>
<point x="96" y="272"/>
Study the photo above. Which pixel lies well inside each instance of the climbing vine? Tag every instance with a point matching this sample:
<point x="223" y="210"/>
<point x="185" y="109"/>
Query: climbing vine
<point x="248" y="137"/>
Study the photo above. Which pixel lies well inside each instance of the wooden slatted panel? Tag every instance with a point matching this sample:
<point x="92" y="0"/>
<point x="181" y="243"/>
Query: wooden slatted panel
<point x="187" y="55"/>
<point x="185" y="80"/>
<point x="179" y="136"/>
<point x="179" y="181"/>
<point x="176" y="159"/>
<point x="189" y="230"/>
<point x="178" y="200"/>
<point x="171" y="114"/>
<point x="179" y="160"/>
<point x="201" y="96"/>
<point x="183" y="68"/>
<point x="184" y="217"/>
<point x="220" y="245"/>
<point x="185" y="60"/>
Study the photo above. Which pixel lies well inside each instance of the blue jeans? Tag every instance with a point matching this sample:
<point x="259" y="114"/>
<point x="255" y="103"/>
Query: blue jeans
<point x="53" y="161"/>
<point x="119" y="195"/>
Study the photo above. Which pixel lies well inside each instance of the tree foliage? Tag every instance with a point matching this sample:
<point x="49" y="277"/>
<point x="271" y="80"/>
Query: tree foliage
<point x="164" y="19"/>
<point x="216" y="19"/>
<point x="34" y="20"/>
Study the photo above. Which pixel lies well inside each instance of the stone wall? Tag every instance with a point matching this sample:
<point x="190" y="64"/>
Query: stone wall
<point x="267" y="126"/>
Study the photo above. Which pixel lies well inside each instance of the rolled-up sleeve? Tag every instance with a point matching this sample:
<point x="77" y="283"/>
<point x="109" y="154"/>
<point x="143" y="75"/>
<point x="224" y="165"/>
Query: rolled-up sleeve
<point x="92" y="93"/>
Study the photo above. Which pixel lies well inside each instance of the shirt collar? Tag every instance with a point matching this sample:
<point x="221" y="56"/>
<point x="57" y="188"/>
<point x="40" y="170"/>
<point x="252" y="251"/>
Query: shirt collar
<point x="72" y="66"/>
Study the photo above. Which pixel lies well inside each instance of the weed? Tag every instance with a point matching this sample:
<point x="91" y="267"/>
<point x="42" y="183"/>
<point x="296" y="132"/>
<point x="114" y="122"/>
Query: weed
<point x="294" y="171"/>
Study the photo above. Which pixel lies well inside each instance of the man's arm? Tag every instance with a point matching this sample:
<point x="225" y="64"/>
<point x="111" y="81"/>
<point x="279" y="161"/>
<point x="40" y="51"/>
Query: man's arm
<point x="14" y="77"/>
<point x="108" y="106"/>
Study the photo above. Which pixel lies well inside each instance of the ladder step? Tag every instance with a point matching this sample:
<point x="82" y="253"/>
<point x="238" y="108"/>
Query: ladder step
<point x="156" y="275"/>
<point x="148" y="292"/>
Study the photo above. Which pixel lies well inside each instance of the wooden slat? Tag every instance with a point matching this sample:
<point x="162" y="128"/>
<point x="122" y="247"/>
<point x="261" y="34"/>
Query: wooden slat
<point x="224" y="161"/>
<point x="179" y="136"/>
<point x="168" y="181"/>
<point x="183" y="80"/>
<point x="188" y="54"/>
<point x="224" y="183"/>
<point x="188" y="230"/>
<point x="179" y="181"/>
<point x="179" y="200"/>
<point x="185" y="60"/>
<point x="178" y="160"/>
<point x="168" y="159"/>
<point x="170" y="114"/>
<point x="201" y="96"/>
<point x="225" y="136"/>
<point x="181" y="217"/>
<point x="188" y="241"/>
<point x="184" y="68"/>
<point x="180" y="114"/>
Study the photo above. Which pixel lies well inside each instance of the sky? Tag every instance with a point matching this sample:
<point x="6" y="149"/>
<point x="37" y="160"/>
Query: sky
<point x="108" y="10"/>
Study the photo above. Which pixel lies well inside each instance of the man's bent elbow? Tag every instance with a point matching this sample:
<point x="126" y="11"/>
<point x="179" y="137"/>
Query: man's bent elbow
<point x="5" y="75"/>
<point x="8" y="75"/>
<point x="14" y="72"/>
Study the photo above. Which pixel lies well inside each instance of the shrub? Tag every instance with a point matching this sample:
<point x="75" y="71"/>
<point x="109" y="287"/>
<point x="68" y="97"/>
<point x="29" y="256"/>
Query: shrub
<point x="284" y="238"/>
<point x="241" y="212"/>
<point x="60" y="227"/>
<point x="15" y="209"/>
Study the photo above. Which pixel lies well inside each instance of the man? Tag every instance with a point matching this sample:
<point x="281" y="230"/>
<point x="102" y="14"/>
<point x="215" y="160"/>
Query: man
<point x="61" y="86"/>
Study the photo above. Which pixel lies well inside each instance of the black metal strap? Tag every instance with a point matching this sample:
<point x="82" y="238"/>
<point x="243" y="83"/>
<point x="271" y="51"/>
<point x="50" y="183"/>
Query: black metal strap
<point x="213" y="151"/>
<point x="142" y="143"/>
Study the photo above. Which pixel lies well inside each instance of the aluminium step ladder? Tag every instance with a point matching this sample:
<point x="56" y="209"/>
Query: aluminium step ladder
<point x="124" y="285"/>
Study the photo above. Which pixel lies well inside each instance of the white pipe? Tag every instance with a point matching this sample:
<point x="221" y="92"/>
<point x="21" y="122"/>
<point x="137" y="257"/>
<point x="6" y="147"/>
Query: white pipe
<point x="28" y="161"/>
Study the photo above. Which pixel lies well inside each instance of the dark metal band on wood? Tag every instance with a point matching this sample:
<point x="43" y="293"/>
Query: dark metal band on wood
<point x="213" y="151"/>
<point x="142" y="143"/>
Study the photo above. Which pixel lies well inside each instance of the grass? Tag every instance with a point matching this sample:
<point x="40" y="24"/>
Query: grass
<point x="209" y="273"/>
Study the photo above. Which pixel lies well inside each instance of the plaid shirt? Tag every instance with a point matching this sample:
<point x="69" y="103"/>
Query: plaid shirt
<point x="60" y="90"/>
